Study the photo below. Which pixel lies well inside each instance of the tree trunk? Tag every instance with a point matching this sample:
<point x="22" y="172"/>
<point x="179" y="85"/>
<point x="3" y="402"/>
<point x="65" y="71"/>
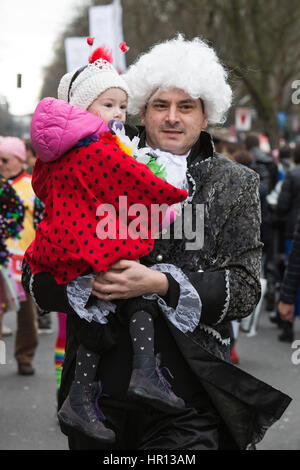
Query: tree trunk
<point x="271" y="129"/>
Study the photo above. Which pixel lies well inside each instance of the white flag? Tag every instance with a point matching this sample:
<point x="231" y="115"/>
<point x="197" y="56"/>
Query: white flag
<point x="105" y="23"/>
<point x="77" y="53"/>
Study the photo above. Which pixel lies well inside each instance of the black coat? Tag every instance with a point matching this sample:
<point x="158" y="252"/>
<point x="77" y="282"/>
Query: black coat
<point x="289" y="200"/>
<point x="225" y="271"/>
<point x="266" y="168"/>
<point x="291" y="280"/>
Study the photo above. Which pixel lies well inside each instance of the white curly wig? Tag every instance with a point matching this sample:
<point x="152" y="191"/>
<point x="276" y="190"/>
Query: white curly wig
<point x="191" y="66"/>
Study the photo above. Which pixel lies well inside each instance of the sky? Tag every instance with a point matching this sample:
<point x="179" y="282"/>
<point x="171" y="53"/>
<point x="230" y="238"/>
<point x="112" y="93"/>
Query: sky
<point x="27" y="35"/>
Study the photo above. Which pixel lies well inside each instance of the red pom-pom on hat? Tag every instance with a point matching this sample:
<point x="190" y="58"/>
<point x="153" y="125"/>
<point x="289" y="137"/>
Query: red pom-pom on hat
<point x="101" y="53"/>
<point x="90" y="41"/>
<point x="123" y="46"/>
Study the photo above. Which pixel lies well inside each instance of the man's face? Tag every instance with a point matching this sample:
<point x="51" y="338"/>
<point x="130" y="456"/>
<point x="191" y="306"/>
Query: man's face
<point x="10" y="165"/>
<point x="173" y="121"/>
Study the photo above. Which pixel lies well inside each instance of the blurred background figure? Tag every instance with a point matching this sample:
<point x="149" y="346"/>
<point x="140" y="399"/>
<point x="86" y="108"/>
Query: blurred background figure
<point x="244" y="158"/>
<point x="12" y="162"/>
<point x="289" y="304"/>
<point x="248" y="325"/>
<point x="267" y="169"/>
<point x="59" y="351"/>
<point x="288" y="207"/>
<point x="11" y="219"/>
<point x="224" y="143"/>
<point x="285" y="160"/>
<point x="30" y="156"/>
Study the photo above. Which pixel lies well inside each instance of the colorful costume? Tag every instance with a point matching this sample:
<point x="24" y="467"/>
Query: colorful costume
<point x="11" y="220"/>
<point x="67" y="242"/>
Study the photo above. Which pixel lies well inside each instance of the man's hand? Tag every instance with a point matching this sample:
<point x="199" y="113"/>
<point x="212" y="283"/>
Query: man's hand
<point x="286" y="311"/>
<point x="127" y="279"/>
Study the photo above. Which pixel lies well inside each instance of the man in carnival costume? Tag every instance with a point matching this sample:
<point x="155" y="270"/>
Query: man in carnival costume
<point x="178" y="87"/>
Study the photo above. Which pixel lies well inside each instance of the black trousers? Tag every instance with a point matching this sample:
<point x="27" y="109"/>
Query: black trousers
<point x="138" y="429"/>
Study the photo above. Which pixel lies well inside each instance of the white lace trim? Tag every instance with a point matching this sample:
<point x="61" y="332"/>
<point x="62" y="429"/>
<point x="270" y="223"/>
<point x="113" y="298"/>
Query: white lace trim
<point x="79" y="291"/>
<point x="215" y="334"/>
<point x="206" y="160"/>
<point x="191" y="180"/>
<point x="227" y="300"/>
<point x="185" y="317"/>
<point x="187" y="314"/>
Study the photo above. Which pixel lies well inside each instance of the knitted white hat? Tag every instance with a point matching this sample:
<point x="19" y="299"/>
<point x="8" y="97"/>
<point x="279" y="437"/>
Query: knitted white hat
<point x="82" y="86"/>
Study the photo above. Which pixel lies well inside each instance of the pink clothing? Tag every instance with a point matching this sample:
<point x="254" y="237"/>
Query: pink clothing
<point x="13" y="146"/>
<point x="20" y="292"/>
<point x="57" y="126"/>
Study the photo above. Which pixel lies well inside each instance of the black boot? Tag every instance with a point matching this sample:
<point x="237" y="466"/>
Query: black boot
<point x="287" y="335"/>
<point x="274" y="317"/>
<point x="147" y="384"/>
<point x="80" y="411"/>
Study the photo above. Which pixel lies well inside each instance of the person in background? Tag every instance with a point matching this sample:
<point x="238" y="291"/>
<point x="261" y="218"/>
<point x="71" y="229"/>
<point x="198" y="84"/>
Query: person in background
<point x="12" y="162"/>
<point x="289" y="304"/>
<point x="11" y="223"/>
<point x="283" y="156"/>
<point x="289" y="207"/>
<point x="266" y="167"/>
<point x="245" y="158"/>
<point x="30" y="156"/>
<point x="60" y="345"/>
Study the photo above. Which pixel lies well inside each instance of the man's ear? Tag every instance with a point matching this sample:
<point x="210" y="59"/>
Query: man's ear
<point x="205" y="122"/>
<point x="143" y="114"/>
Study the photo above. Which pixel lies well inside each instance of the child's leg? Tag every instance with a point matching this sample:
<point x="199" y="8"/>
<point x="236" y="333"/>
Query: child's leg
<point x="86" y="366"/>
<point x="147" y="382"/>
<point x="81" y="410"/>
<point x="142" y="333"/>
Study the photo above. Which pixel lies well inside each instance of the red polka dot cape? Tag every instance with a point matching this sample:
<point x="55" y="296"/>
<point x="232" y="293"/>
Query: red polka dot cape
<point x="74" y="189"/>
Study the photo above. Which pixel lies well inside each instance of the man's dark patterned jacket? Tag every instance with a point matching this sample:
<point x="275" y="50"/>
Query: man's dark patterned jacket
<point x="225" y="273"/>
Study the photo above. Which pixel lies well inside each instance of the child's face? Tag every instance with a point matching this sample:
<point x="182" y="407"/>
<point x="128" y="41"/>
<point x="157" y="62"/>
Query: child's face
<point x="111" y="104"/>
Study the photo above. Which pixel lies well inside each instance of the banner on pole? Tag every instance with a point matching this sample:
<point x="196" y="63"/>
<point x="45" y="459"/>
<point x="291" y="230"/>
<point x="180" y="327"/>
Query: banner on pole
<point x="243" y="119"/>
<point x="105" y="22"/>
<point x="77" y="53"/>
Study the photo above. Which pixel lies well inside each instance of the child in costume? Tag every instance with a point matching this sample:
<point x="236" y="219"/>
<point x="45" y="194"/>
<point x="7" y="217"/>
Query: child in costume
<point x="99" y="169"/>
<point x="11" y="219"/>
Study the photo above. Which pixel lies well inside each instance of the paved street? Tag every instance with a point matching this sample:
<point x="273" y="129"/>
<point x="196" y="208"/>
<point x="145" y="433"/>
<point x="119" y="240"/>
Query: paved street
<point x="28" y="404"/>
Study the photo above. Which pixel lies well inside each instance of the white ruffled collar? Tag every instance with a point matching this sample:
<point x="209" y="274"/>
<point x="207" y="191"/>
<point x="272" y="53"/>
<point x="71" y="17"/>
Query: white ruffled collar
<point x="176" y="166"/>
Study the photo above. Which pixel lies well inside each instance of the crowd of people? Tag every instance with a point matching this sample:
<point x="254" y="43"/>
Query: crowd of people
<point x="132" y="308"/>
<point x="280" y="208"/>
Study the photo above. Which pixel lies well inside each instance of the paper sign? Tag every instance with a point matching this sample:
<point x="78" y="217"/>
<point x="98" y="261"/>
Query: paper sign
<point x="243" y="119"/>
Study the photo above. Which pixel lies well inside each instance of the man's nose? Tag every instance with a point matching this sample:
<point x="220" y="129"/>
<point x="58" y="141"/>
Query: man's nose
<point x="172" y="115"/>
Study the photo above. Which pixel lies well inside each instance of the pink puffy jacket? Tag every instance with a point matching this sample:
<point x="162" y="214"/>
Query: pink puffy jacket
<point x="57" y="126"/>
